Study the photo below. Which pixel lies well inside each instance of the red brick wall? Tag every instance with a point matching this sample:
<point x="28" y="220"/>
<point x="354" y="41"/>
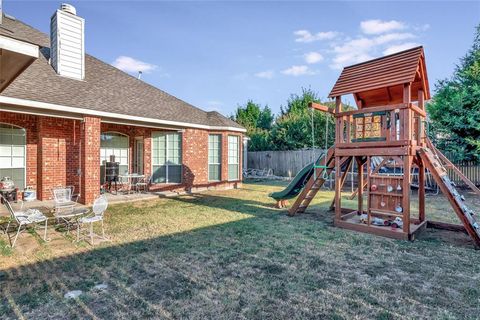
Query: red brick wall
<point x="195" y="161"/>
<point x="90" y="159"/>
<point x="59" y="149"/>
<point x="58" y="155"/>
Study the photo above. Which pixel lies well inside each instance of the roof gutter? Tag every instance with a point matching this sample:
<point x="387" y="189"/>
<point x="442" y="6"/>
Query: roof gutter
<point x="111" y="115"/>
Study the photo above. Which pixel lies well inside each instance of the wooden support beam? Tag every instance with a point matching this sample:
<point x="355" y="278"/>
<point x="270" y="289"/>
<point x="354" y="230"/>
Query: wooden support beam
<point x="360" y="183"/>
<point x="424" y="80"/>
<point x="339" y="127"/>
<point x="407" y="93"/>
<point x="421" y="99"/>
<point x="369" y="205"/>
<point x="446" y="226"/>
<point x="349" y="129"/>
<point x="418" y="111"/>
<point x="421" y="129"/>
<point x="358" y="101"/>
<point x="320" y="107"/>
<point x="338" y="189"/>
<point x="338" y="104"/>
<point x="407" y="165"/>
<point x="421" y="189"/>
<point x="343" y="178"/>
<point x="407" y="118"/>
<point x="393" y="126"/>
<point x="373" y="151"/>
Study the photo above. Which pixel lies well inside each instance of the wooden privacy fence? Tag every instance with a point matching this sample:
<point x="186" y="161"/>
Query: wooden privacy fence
<point x="283" y="163"/>
<point x="470" y="169"/>
<point x="289" y="163"/>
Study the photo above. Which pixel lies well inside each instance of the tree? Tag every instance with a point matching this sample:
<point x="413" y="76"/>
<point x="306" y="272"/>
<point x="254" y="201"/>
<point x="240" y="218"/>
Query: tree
<point x="252" y="116"/>
<point x="298" y="104"/>
<point x="258" y="121"/>
<point x="455" y="109"/>
<point x="293" y="128"/>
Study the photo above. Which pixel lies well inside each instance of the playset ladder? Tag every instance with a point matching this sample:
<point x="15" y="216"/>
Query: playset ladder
<point x="439" y="172"/>
<point x="314" y="184"/>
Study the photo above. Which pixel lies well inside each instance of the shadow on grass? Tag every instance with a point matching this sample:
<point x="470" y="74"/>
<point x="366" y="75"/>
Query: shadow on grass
<point x="264" y="266"/>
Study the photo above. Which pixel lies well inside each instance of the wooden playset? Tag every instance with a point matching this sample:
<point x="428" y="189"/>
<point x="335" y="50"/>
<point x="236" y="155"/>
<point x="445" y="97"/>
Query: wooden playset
<point x="388" y="127"/>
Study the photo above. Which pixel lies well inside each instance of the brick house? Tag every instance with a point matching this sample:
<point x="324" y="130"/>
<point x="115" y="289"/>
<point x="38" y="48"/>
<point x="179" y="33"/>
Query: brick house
<point x="64" y="112"/>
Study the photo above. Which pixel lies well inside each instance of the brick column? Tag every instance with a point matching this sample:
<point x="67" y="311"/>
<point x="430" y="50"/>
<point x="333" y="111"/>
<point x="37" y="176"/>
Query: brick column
<point x="90" y="160"/>
<point x="147" y="153"/>
<point x="51" y="165"/>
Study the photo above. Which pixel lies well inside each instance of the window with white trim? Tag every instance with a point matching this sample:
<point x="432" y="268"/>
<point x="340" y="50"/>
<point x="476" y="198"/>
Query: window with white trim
<point x="233" y="158"/>
<point x="214" y="157"/>
<point x="166" y="157"/>
<point x="12" y="153"/>
<point x="115" y="144"/>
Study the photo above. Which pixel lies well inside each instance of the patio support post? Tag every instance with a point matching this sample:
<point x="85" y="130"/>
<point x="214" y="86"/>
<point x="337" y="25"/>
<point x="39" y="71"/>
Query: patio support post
<point x="90" y="160"/>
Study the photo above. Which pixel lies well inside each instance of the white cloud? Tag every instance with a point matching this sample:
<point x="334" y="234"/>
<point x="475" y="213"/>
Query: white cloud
<point x="268" y="74"/>
<point x="390" y="37"/>
<point x="313" y="57"/>
<point x="363" y="48"/>
<point x="306" y="36"/>
<point x="298" y="71"/>
<point x="400" y="47"/>
<point x="129" y="64"/>
<point x="377" y="26"/>
<point x="353" y="51"/>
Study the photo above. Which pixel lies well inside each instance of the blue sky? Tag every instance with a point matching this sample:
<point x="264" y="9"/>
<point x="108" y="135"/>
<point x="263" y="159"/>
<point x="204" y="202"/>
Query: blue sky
<point x="218" y="54"/>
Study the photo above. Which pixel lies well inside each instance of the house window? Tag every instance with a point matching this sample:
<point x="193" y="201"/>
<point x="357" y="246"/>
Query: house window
<point x="115" y="144"/>
<point x="214" y="157"/>
<point x="166" y="157"/>
<point x="233" y="158"/>
<point x="12" y="154"/>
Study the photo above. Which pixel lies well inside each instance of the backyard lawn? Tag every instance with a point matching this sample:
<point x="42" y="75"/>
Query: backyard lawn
<point x="231" y="255"/>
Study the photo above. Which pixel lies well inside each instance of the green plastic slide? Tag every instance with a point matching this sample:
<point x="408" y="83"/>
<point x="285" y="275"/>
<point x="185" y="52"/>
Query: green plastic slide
<point x="296" y="185"/>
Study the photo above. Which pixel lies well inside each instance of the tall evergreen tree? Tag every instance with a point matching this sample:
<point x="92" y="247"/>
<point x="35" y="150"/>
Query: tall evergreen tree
<point x="455" y="109"/>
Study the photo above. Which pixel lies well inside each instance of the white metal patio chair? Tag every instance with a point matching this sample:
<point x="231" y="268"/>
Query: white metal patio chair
<point x="99" y="207"/>
<point x="65" y="203"/>
<point x="142" y="184"/>
<point x="64" y="197"/>
<point x="24" y="219"/>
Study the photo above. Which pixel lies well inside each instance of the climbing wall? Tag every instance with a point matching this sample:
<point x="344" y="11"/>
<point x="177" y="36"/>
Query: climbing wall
<point x="466" y="215"/>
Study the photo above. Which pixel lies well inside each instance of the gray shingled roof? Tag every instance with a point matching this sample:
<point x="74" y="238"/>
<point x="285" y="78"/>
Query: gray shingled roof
<point x="105" y="87"/>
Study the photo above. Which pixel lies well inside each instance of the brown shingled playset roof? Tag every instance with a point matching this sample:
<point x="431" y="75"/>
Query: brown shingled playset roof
<point x="380" y="81"/>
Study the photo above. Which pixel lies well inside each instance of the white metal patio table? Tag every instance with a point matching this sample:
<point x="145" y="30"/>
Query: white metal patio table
<point x="71" y="218"/>
<point x="130" y="178"/>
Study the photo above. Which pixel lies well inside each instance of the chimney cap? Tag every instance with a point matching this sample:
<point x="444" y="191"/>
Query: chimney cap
<point x="68" y="8"/>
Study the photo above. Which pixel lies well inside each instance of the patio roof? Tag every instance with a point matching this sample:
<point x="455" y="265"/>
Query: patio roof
<point x="15" y="57"/>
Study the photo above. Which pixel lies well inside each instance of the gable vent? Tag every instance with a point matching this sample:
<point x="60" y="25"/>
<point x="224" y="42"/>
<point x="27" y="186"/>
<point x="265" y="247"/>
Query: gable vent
<point x="67" y="45"/>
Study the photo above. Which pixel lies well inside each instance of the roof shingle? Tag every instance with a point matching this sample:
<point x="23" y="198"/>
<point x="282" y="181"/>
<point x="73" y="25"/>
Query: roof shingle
<point x="391" y="70"/>
<point x="105" y="87"/>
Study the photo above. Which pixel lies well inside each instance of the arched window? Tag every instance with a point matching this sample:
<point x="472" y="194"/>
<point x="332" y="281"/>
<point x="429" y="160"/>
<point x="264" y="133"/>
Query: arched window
<point x="12" y="153"/>
<point x="115" y="144"/>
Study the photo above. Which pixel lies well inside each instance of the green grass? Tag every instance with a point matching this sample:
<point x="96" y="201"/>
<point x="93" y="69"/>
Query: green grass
<point x="230" y="254"/>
